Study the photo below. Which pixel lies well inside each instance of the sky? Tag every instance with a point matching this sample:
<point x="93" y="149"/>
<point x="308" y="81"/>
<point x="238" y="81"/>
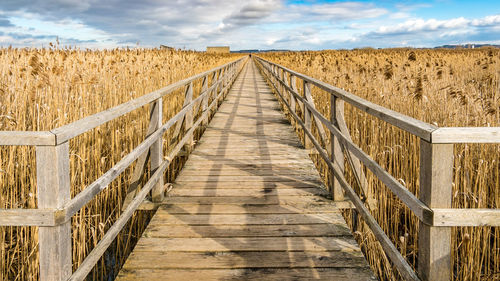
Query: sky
<point x="248" y="24"/>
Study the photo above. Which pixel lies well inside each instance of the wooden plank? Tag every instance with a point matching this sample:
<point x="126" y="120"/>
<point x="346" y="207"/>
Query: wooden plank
<point x="219" y="178"/>
<point x="53" y="190"/>
<point x="231" y="185"/>
<point x="278" y="274"/>
<point x="466" y="217"/>
<point x="217" y="231"/>
<point x="27" y="138"/>
<point x="248" y="192"/>
<point x="436" y="178"/>
<point x="248" y="244"/>
<point x="28" y="217"/>
<point x="196" y="209"/>
<point x="265" y="199"/>
<point x="164" y="218"/>
<point x="215" y="260"/>
<point x="193" y="172"/>
<point x="466" y="135"/>
<point x="147" y="205"/>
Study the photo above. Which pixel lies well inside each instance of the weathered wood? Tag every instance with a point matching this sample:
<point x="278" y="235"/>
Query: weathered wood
<point x="466" y="217"/>
<point x="307" y="114"/>
<point x="418" y="207"/>
<point x="53" y="191"/>
<point x="81" y="126"/>
<point x="248" y="192"/>
<point x="436" y="178"/>
<point x="390" y="250"/>
<point x="264" y="200"/>
<point x="411" y="125"/>
<point x="188" y="121"/>
<point x="96" y="254"/>
<point x="28" y="217"/>
<point x="269" y="230"/>
<point x="271" y="274"/>
<point x="249" y="209"/>
<point x="248" y="244"/>
<point x="319" y="125"/>
<point x="163" y="218"/>
<point x="353" y="161"/>
<point x="311" y="205"/>
<point x="466" y="135"/>
<point x="157" y="259"/>
<point x="336" y="154"/>
<point x="204" y="103"/>
<point x="267" y="206"/>
<point x="242" y="184"/>
<point x="27" y="138"/>
<point x="156" y="150"/>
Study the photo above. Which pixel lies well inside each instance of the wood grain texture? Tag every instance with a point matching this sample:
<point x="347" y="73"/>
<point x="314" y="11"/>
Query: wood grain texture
<point x="53" y="189"/>
<point x="27" y="138"/>
<point x="249" y="203"/>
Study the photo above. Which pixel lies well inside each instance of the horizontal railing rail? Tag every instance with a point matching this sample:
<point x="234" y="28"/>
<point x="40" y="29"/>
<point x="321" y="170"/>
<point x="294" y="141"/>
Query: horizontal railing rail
<point x="55" y="207"/>
<point x="433" y="208"/>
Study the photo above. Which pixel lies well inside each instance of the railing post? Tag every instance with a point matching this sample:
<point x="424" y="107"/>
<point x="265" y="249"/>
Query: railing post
<point x="156" y="116"/>
<point x="213" y="92"/>
<point x="204" y="102"/>
<point x="221" y="88"/>
<point x="287" y="84"/>
<point x="336" y="154"/>
<point x="293" y="85"/>
<point x="436" y="177"/>
<point x="189" y="115"/>
<point x="307" y="115"/>
<point x="53" y="188"/>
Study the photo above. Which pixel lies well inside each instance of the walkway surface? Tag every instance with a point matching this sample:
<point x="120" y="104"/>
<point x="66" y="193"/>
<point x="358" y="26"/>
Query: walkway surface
<point x="247" y="205"/>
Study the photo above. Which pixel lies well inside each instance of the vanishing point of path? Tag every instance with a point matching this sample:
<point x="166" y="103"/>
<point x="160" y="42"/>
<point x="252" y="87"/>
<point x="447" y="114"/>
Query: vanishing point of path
<point x="247" y="205"/>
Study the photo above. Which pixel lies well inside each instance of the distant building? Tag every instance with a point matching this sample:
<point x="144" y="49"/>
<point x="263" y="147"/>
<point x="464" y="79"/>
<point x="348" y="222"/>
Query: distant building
<point x="166" y="47"/>
<point x="218" y="49"/>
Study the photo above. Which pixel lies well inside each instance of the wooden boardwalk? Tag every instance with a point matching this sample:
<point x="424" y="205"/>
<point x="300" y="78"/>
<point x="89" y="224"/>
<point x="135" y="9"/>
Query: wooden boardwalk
<point x="248" y="205"/>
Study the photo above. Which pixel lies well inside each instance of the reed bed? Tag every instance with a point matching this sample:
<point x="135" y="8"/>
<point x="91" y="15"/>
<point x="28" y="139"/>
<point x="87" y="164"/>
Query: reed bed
<point x="442" y="87"/>
<point x="41" y="89"/>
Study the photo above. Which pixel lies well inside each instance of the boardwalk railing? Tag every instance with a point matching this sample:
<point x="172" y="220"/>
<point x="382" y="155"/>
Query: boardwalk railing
<point x="433" y="208"/>
<point x="55" y="205"/>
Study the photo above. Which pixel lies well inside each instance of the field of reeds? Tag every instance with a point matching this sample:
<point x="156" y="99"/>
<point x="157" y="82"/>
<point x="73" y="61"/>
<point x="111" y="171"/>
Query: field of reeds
<point x="441" y="87"/>
<point x="41" y="89"/>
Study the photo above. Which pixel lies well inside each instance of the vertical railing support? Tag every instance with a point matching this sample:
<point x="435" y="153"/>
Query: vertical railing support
<point x="293" y="85"/>
<point x="436" y="177"/>
<point x="336" y="154"/>
<point x="307" y="116"/>
<point x="189" y="116"/>
<point x="156" y="150"/>
<point x="53" y="188"/>
<point x="204" y="102"/>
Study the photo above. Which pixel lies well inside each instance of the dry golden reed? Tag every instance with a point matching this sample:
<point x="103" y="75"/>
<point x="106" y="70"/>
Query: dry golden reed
<point x="441" y="87"/>
<point x="41" y="89"/>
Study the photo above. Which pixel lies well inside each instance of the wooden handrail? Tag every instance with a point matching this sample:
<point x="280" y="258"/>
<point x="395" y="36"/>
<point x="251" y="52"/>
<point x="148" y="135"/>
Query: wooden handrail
<point x="81" y="126"/>
<point x="27" y="138"/>
<point x="389" y="248"/>
<point x="433" y="209"/>
<point x="53" y="167"/>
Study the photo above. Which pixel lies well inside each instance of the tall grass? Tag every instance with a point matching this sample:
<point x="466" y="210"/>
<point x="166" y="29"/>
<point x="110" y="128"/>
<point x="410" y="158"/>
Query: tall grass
<point x="442" y="87"/>
<point x="41" y="89"/>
